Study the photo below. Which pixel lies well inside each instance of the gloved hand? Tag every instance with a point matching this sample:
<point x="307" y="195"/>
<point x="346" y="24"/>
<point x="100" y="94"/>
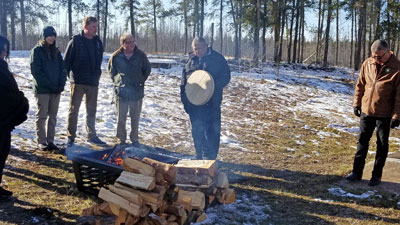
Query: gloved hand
<point x="394" y="123"/>
<point x="357" y="111"/>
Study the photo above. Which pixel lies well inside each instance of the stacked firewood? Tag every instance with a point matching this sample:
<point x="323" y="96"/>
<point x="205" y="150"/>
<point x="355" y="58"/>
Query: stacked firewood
<point x="151" y="192"/>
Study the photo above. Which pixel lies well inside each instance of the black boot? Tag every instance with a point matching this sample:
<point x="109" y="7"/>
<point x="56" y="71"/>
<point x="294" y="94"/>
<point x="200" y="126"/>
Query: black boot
<point x="5" y="193"/>
<point x="374" y="181"/>
<point x="353" y="177"/>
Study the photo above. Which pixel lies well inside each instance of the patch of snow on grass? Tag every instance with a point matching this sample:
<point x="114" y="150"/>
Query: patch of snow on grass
<point x="341" y="193"/>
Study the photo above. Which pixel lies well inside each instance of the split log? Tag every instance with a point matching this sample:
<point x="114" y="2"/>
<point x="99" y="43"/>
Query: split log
<point x="220" y="195"/>
<point x="131" y="220"/>
<point x="177" y="210"/>
<point x="98" y="210"/>
<point x="171" y="218"/>
<point x="137" y="180"/>
<point x="108" y="196"/>
<point x="121" y="217"/>
<point x="147" y="196"/>
<point x="130" y="196"/>
<point x="114" y="208"/>
<point x="207" y="167"/>
<point x="222" y="181"/>
<point x="195" y="179"/>
<point x="202" y="217"/>
<point x="160" y="180"/>
<point x="145" y="210"/>
<point x="137" y="166"/>
<point x="230" y="196"/>
<point x="185" y="201"/>
<point x="157" y="219"/>
<point x="168" y="170"/>
<point x="171" y="194"/>
<point x="198" y="198"/>
<point x="181" y="220"/>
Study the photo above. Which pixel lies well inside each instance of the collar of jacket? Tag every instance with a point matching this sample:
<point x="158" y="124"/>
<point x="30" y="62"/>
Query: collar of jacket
<point x="393" y="62"/>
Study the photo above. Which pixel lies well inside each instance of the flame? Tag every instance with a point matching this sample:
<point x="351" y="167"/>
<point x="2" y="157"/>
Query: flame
<point x="115" y="157"/>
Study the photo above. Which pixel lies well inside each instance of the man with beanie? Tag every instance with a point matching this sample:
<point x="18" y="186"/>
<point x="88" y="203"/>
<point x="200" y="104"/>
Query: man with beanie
<point x="83" y="58"/>
<point x="49" y="77"/>
<point x="377" y="103"/>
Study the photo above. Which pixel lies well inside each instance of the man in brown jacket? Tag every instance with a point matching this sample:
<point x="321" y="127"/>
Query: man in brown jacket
<point x="377" y="103"/>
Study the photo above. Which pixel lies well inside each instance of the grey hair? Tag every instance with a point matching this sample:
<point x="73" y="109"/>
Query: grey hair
<point x="199" y="40"/>
<point x="124" y="37"/>
<point x="379" y="45"/>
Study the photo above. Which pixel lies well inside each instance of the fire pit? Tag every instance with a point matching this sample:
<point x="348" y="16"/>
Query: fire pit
<point x="98" y="168"/>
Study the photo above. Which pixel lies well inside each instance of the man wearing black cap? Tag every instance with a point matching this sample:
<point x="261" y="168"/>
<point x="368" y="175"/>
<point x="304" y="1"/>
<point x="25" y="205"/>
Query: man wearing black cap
<point x="49" y="79"/>
<point x="83" y="58"/>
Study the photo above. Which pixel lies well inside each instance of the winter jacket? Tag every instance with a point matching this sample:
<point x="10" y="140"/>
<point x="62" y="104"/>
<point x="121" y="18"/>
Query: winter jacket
<point x="215" y="64"/>
<point x="14" y="105"/>
<point x="129" y="75"/>
<point x="378" y="92"/>
<point x="49" y="75"/>
<point x="81" y="67"/>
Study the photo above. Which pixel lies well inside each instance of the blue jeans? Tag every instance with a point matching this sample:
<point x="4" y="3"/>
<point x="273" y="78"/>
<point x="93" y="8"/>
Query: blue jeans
<point x="206" y="132"/>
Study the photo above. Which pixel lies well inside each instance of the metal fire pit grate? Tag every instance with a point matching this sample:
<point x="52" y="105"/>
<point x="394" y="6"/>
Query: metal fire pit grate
<point x="92" y="173"/>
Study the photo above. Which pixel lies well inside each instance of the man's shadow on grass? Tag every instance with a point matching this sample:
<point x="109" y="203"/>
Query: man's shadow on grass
<point x="21" y="212"/>
<point x="281" y="188"/>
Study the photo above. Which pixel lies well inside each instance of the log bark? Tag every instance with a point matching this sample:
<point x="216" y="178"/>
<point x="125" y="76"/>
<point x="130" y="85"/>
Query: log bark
<point x="108" y="196"/>
<point x="169" y="171"/>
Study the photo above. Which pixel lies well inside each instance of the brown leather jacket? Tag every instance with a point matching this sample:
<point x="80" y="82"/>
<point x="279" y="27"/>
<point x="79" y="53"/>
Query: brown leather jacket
<point x="378" y="92"/>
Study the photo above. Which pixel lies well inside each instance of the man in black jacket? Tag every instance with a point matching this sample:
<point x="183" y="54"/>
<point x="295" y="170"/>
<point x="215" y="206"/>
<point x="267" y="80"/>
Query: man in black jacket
<point x="206" y="119"/>
<point x="13" y="110"/>
<point x="83" y="58"/>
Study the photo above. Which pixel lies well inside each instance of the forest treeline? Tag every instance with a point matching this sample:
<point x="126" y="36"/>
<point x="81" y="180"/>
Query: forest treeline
<point x="258" y="30"/>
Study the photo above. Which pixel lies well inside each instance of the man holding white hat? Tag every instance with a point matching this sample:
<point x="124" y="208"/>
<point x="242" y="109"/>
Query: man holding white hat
<point x="205" y="116"/>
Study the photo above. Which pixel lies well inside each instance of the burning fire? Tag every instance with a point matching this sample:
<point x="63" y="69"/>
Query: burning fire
<point x="115" y="157"/>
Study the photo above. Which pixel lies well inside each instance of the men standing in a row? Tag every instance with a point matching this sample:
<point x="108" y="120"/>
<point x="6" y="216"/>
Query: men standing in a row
<point x="377" y="103"/>
<point x="206" y="119"/>
<point x="83" y="58"/>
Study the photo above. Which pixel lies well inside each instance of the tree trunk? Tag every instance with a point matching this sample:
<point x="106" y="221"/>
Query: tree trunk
<point x="185" y="18"/>
<point x="319" y="30"/>
<point x="3" y="18"/>
<point x="378" y="6"/>
<point x="98" y="16"/>
<point x="296" y="31"/>
<point x="132" y="19"/>
<point x="12" y="20"/>
<point x="337" y="33"/>
<point x="257" y="33"/>
<point x="328" y="25"/>
<point x="277" y="15"/>
<point x="105" y="25"/>
<point x="155" y="26"/>
<point x="23" y="19"/>
<point x="357" y="53"/>
<point x="240" y="27"/>
<point x="221" y="34"/>
<point x="264" y="32"/>
<point x="202" y="18"/>
<point x="289" y="48"/>
<point x="196" y="18"/>
<point x="282" y="11"/>
<point x="351" y="39"/>
<point x="302" y="31"/>
<point x="70" y="18"/>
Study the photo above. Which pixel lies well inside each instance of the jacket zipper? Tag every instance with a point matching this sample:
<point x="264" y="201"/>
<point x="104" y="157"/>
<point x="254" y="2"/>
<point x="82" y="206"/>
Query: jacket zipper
<point x="373" y="88"/>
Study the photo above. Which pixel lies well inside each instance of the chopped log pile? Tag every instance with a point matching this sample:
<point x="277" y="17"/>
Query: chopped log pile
<point x="149" y="192"/>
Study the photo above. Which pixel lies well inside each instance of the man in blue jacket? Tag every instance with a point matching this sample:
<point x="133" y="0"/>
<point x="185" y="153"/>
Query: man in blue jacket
<point x="83" y="58"/>
<point x="206" y="119"/>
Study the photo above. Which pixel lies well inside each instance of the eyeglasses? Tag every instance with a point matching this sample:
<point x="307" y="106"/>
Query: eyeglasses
<point x="379" y="57"/>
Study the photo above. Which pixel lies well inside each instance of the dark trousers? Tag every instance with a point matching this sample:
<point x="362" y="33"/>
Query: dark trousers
<point x="5" y="145"/>
<point x="206" y="132"/>
<point x="367" y="127"/>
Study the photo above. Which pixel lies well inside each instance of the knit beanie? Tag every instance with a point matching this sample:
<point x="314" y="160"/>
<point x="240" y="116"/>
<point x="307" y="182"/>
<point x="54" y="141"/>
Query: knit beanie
<point x="49" y="31"/>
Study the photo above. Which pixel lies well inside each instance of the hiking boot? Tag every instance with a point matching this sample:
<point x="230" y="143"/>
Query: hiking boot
<point x="353" y="177"/>
<point x="4" y="192"/>
<point x="374" y="181"/>
<point x="70" y="142"/>
<point x="43" y="147"/>
<point x="52" y="146"/>
<point x="96" y="140"/>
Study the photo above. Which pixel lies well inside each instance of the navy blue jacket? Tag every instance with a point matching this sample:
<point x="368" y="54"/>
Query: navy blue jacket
<point x="78" y="61"/>
<point x="215" y="64"/>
